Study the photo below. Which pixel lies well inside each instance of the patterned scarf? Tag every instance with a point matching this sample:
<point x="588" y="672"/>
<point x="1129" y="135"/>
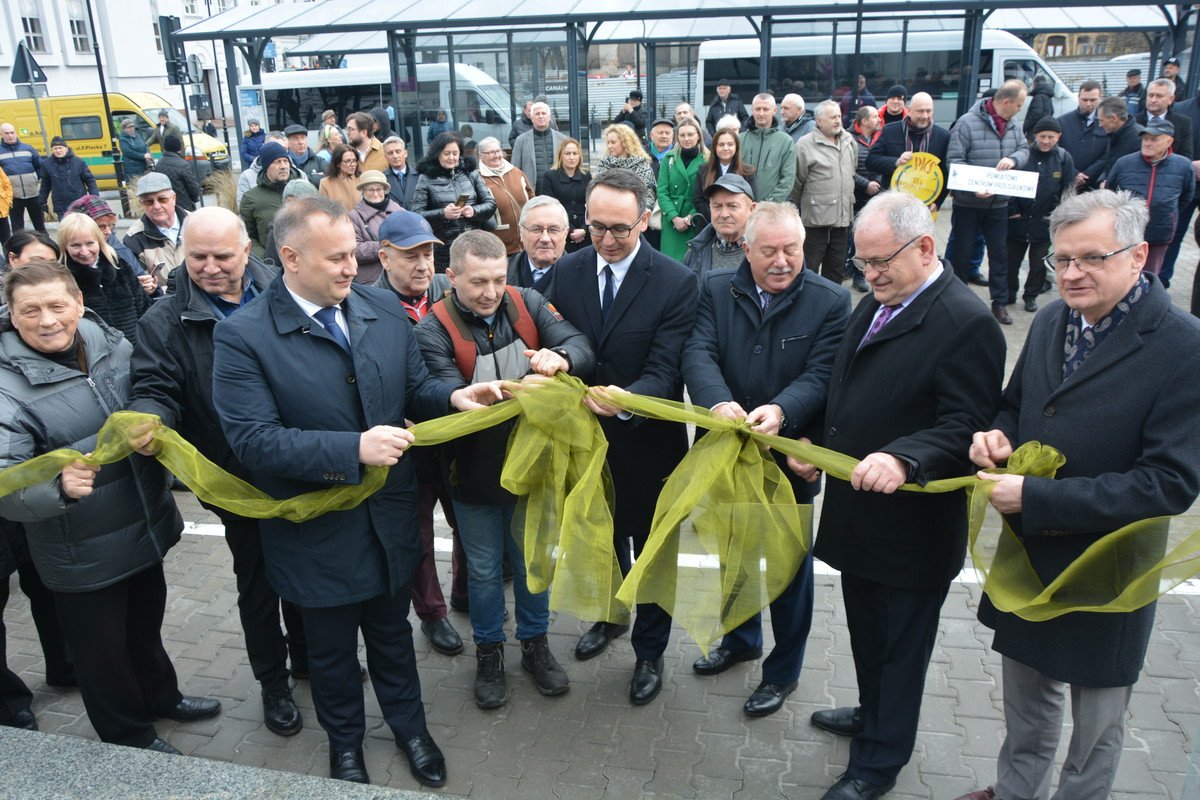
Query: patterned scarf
<point x="1081" y="343"/>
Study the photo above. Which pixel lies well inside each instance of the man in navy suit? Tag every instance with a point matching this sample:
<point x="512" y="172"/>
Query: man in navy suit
<point x="312" y="383"/>
<point x="402" y="179"/>
<point x="544" y="228"/>
<point x="636" y="306"/>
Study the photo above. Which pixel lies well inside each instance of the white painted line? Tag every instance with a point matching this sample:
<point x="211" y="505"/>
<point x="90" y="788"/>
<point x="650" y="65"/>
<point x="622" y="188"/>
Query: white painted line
<point x="442" y="544"/>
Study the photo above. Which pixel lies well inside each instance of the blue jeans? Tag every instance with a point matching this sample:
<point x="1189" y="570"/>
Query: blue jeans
<point x="485" y="532"/>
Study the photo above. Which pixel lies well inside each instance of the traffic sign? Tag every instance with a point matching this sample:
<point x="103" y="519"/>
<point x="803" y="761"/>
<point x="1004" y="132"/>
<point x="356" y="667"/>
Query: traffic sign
<point x="25" y="69"/>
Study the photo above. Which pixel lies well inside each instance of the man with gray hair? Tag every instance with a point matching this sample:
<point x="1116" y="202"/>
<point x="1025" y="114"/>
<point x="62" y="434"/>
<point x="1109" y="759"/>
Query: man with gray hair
<point x="171" y="373"/>
<point x="770" y="151"/>
<point x="796" y="121"/>
<point x="769" y="305"/>
<point x="402" y="178"/>
<point x="544" y="226"/>
<point x="826" y="176"/>
<point x="533" y="151"/>
<point x="926" y="342"/>
<point x="1114" y="328"/>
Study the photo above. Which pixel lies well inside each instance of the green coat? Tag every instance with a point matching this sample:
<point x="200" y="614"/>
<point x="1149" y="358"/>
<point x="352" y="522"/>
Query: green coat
<point x="773" y="154"/>
<point x="675" y="183"/>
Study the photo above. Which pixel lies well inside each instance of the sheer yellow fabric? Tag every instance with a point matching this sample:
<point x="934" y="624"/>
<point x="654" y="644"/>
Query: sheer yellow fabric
<point x="727" y="535"/>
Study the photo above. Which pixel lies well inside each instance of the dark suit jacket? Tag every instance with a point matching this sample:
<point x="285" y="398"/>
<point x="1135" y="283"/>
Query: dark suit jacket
<point x="639" y="348"/>
<point x="404" y="198"/>
<point x="1191" y="110"/>
<point x="891" y="143"/>
<point x="918" y="390"/>
<point x="521" y="274"/>
<point x="738" y="353"/>
<point x="1183" y="132"/>
<point x="293" y="405"/>
<point x="1087" y="146"/>
<point x="1126" y="422"/>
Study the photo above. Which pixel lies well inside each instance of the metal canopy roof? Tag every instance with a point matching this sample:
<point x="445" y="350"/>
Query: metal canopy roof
<point x="644" y="20"/>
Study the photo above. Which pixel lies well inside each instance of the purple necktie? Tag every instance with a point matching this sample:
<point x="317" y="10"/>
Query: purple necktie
<point x="884" y="315"/>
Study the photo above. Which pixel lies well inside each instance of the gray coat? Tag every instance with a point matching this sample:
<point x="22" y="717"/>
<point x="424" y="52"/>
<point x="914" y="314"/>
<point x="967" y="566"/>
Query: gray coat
<point x="523" y="156"/>
<point x="1126" y="422"/>
<point x="130" y="521"/>
<point x="975" y="140"/>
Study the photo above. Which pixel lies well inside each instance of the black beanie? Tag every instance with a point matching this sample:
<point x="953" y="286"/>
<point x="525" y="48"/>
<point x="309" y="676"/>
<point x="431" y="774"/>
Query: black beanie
<point x="172" y="143"/>
<point x="57" y="140"/>
<point x="1047" y="124"/>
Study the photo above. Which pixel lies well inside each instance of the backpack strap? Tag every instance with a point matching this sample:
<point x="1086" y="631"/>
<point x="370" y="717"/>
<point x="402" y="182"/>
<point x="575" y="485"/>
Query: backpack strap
<point x="520" y="318"/>
<point x="465" y="350"/>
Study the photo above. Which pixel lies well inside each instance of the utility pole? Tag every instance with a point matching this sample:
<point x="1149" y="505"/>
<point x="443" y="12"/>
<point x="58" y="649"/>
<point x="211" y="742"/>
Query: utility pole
<point x="118" y="169"/>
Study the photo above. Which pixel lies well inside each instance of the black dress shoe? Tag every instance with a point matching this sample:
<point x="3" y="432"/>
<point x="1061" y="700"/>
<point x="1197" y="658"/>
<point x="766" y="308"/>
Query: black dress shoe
<point x="459" y="604"/>
<point x="860" y="284"/>
<point x="977" y="280"/>
<point x="768" y="698"/>
<point x="842" y="721"/>
<point x="23" y="719"/>
<point x="722" y="659"/>
<point x="348" y="765"/>
<point x="192" y="709"/>
<point x="425" y="759"/>
<point x="1001" y="315"/>
<point x="647" y="681"/>
<point x="1031" y="305"/>
<point x="848" y="788"/>
<point x="596" y="640"/>
<point x="442" y="637"/>
<point x="280" y="714"/>
<point x="163" y="746"/>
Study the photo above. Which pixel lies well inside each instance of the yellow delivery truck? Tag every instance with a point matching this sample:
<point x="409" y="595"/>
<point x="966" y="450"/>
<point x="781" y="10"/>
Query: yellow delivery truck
<point x="79" y="118"/>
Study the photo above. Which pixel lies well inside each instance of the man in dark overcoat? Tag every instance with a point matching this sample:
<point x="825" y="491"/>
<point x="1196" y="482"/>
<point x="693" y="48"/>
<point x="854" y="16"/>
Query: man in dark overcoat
<point x="920" y="364"/>
<point x="1130" y="455"/>
<point x="636" y="306"/>
<point x="762" y="351"/>
<point x="312" y="383"/>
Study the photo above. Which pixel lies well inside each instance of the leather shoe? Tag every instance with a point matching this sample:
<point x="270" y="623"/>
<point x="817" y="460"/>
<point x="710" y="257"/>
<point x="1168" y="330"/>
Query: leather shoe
<point x="596" y="640"/>
<point x="425" y="759"/>
<point x="348" y="765"/>
<point x="647" y="681"/>
<point x="768" y="698"/>
<point x="1031" y="305"/>
<point x="280" y="714"/>
<point x="722" y="659"/>
<point x="23" y="719"/>
<point x="192" y="709"/>
<point x="845" y="721"/>
<point x="459" y="604"/>
<point x="979" y="794"/>
<point x="977" y="279"/>
<point x="860" y="284"/>
<point x="442" y="636"/>
<point x="163" y="746"/>
<point x="1001" y="315"/>
<point x="848" y="788"/>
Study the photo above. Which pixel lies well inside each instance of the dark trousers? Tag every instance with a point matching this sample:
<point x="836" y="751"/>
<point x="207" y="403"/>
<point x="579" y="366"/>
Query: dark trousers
<point x="337" y="689"/>
<point x="15" y="696"/>
<point x="259" y="608"/>
<point x="59" y="669"/>
<point x="1182" y="229"/>
<point x="37" y="217"/>
<point x="966" y="222"/>
<point x="1154" y="257"/>
<point x="1037" y="268"/>
<point x="427" y="597"/>
<point x="125" y="676"/>
<point x="791" y="619"/>
<point x="825" y="248"/>
<point x="5" y="229"/>
<point x="652" y="625"/>
<point x="892" y="633"/>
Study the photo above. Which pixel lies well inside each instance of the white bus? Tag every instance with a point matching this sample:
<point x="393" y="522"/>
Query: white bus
<point x="930" y="62"/>
<point x="298" y="97"/>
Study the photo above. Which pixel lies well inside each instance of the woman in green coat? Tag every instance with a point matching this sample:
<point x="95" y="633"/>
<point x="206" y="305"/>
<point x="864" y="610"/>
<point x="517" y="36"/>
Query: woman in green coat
<point x="676" y="176"/>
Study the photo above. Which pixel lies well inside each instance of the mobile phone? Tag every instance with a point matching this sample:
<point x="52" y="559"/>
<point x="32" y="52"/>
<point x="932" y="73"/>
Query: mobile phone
<point x="462" y="200"/>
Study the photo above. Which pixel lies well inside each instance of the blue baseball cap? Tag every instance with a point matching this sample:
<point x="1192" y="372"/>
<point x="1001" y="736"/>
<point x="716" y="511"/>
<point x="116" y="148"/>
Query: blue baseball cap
<point x="406" y="229"/>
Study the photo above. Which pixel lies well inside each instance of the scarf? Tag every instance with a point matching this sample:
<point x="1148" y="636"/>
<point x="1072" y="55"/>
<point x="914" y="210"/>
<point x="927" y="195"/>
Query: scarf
<point x="1081" y="343"/>
<point x="1000" y="122"/>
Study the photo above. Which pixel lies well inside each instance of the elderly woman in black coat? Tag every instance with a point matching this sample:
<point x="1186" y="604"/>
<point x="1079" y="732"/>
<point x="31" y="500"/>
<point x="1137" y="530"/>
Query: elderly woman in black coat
<point x="97" y="535"/>
<point x="451" y="195"/>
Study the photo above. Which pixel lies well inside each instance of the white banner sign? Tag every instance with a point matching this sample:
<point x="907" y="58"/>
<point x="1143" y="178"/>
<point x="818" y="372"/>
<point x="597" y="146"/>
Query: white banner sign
<point x="1013" y="182"/>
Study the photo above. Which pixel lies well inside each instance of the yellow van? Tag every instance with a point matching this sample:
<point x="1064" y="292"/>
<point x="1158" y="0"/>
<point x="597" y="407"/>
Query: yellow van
<point x="78" y="119"/>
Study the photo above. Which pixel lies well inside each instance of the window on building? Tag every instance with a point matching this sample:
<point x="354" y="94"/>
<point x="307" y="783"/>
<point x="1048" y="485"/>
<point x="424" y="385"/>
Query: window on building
<point x="1101" y="45"/>
<point x="1083" y="46"/>
<point x="77" y="20"/>
<point x="157" y="35"/>
<point x="32" y="26"/>
<point x="1056" y="46"/>
<point x="190" y="7"/>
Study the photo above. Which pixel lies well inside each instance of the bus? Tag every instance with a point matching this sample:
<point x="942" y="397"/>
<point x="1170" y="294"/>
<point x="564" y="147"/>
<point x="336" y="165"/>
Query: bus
<point x="930" y="62"/>
<point x="299" y="97"/>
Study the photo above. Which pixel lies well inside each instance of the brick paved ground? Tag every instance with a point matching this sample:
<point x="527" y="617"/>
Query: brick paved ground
<point x="692" y="742"/>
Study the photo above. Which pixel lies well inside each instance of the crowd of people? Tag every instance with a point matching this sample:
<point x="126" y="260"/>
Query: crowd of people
<point x="293" y="342"/>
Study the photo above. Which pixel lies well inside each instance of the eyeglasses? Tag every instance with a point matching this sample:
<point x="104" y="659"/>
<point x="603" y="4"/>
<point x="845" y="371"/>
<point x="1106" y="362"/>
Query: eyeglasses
<point x="883" y="264"/>
<point x="156" y="201"/>
<point x="553" y="230"/>
<point x="1088" y="263"/>
<point x="618" y="231"/>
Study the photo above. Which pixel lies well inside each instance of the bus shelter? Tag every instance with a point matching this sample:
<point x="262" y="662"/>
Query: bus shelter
<point x="553" y="37"/>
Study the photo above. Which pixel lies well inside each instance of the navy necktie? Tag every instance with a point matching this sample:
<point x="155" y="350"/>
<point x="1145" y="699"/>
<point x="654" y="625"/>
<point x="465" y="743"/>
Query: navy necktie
<point x="328" y="318"/>
<point x="606" y="299"/>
